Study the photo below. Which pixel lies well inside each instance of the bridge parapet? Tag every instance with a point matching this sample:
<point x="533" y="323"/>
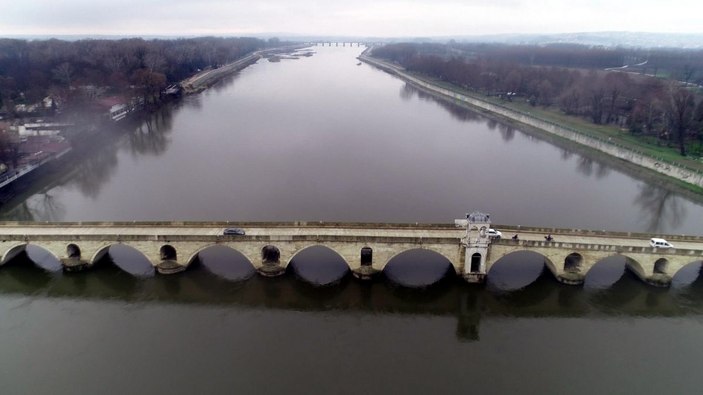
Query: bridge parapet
<point x="598" y="247"/>
<point x="593" y="233"/>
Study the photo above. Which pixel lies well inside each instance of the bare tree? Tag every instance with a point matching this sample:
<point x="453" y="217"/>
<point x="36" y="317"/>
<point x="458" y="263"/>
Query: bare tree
<point x="64" y="73"/>
<point x="680" y="108"/>
<point x="154" y="62"/>
<point x="615" y="84"/>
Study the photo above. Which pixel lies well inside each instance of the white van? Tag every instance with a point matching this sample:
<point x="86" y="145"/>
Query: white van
<point x="659" y="243"/>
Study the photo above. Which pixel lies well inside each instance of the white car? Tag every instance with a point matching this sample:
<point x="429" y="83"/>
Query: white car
<point x="494" y="234"/>
<point x="660" y="243"/>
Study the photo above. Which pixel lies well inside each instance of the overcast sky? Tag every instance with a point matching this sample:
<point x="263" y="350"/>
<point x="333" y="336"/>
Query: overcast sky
<point x="388" y="18"/>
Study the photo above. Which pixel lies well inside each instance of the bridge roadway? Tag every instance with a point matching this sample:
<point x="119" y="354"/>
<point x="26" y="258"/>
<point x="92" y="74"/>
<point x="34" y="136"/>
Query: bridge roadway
<point x="174" y="245"/>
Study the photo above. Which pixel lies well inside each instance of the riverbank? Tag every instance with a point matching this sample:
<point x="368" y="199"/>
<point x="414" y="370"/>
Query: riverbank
<point x="207" y="78"/>
<point x="686" y="177"/>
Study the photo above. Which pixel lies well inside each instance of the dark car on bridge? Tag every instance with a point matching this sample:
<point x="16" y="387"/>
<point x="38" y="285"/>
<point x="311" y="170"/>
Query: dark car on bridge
<point x="234" y="232"/>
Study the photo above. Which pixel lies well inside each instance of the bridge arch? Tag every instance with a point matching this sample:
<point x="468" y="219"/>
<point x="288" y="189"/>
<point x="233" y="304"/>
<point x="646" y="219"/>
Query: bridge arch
<point x="285" y="262"/>
<point x="193" y="256"/>
<point x="100" y="253"/>
<point x="604" y="272"/>
<point x="168" y="253"/>
<point x="73" y="251"/>
<point x="493" y="272"/>
<point x="475" y="262"/>
<point x="270" y="254"/>
<point x="418" y="273"/>
<point x="366" y="256"/>
<point x="12" y="252"/>
<point x="547" y="262"/>
<point x="631" y="264"/>
<point x="661" y="266"/>
<point x="688" y="273"/>
<point x="383" y="265"/>
<point x="635" y="266"/>
<point x="223" y="261"/>
<point x="573" y="262"/>
<point x="52" y="251"/>
<point x="128" y="251"/>
<point x="307" y="263"/>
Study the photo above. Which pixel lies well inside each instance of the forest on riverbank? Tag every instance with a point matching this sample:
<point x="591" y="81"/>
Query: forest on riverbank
<point x="74" y="72"/>
<point x="653" y="95"/>
<point x="55" y="93"/>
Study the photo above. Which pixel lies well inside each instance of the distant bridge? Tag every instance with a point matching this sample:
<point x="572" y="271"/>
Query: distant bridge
<point x="340" y="43"/>
<point x="366" y="247"/>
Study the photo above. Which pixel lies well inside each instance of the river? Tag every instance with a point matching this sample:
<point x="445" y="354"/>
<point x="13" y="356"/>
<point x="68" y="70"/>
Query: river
<point x="323" y="138"/>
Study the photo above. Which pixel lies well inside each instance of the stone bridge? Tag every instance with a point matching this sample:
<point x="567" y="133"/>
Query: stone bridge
<point x="570" y="261"/>
<point x="366" y="247"/>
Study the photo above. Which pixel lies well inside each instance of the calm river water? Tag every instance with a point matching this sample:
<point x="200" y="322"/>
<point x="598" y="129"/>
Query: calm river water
<point x="323" y="138"/>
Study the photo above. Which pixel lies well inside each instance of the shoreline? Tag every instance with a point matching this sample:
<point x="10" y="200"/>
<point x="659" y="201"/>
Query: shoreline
<point x="205" y="79"/>
<point x="682" y="177"/>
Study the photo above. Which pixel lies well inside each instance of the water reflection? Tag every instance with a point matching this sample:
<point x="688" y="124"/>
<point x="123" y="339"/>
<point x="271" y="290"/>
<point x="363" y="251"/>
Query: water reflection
<point x="621" y="293"/>
<point x="457" y="111"/>
<point x="93" y="172"/>
<point x="566" y="154"/>
<point x="507" y="132"/>
<point x="587" y="166"/>
<point x="225" y="83"/>
<point x="407" y="92"/>
<point x="151" y="136"/>
<point x="22" y="275"/>
<point x="147" y="138"/>
<point x="225" y="262"/>
<point x="515" y="270"/>
<point x="40" y="206"/>
<point x="687" y="275"/>
<point x="605" y="273"/>
<point x="319" y="265"/>
<point x="543" y="297"/>
<point x="128" y="259"/>
<point x="660" y="208"/>
<point x="418" y="268"/>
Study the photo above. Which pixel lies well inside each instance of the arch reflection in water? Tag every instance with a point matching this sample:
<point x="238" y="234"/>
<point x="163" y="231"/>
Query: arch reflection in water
<point x="43" y="258"/>
<point x="226" y="263"/>
<point x="418" y="268"/>
<point x="687" y="275"/>
<point x="605" y="273"/>
<point x="515" y="270"/>
<point x="128" y="259"/>
<point x="319" y="265"/>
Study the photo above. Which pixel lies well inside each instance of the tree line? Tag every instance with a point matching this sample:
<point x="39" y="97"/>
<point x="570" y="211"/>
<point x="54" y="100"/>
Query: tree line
<point x="31" y="70"/>
<point x="573" y="79"/>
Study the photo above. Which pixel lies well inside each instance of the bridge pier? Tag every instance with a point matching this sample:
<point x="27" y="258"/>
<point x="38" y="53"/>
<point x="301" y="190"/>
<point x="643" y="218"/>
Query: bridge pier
<point x="74" y="264"/>
<point x="169" y="266"/>
<point x="365" y="271"/>
<point x="271" y="269"/>
<point x="572" y="274"/>
<point x="271" y="262"/>
<point x="571" y="278"/>
<point x="659" y="277"/>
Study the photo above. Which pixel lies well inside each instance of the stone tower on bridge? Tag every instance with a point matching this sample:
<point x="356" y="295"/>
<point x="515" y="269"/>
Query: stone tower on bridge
<point x="476" y="242"/>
